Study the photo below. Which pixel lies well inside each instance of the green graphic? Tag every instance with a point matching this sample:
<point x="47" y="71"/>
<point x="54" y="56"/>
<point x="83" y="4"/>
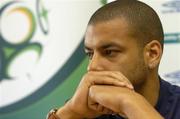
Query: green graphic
<point x="103" y="2"/>
<point x="172" y="38"/>
<point x="9" y="50"/>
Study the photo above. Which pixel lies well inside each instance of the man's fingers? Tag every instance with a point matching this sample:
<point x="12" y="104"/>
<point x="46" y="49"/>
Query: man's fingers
<point x="98" y="108"/>
<point x="118" y="75"/>
<point x="108" y="78"/>
<point x="104" y="80"/>
<point x="107" y="111"/>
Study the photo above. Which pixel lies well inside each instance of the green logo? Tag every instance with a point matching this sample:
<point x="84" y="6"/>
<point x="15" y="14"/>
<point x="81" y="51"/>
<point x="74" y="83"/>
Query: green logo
<point x="14" y="39"/>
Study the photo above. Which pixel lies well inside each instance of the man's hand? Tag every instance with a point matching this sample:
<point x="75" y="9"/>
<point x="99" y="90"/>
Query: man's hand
<point x="122" y="100"/>
<point x="78" y="105"/>
<point x="112" y="97"/>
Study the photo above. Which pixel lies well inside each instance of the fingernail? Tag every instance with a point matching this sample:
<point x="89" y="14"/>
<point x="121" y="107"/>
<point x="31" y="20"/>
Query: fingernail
<point x="131" y="87"/>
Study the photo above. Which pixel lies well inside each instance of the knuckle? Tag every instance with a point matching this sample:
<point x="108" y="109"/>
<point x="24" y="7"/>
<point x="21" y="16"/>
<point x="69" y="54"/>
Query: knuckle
<point x="86" y="77"/>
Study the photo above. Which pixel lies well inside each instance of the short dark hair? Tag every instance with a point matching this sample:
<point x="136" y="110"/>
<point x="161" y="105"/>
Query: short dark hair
<point x="144" y="22"/>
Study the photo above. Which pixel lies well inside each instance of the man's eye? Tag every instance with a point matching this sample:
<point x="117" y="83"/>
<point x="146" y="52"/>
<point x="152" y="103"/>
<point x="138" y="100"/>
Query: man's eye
<point x="110" y="52"/>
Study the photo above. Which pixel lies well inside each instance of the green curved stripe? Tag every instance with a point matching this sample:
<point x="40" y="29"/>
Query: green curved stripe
<point x="103" y="2"/>
<point x="57" y="98"/>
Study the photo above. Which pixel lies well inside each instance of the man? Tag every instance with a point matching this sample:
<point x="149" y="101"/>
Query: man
<point x="124" y="42"/>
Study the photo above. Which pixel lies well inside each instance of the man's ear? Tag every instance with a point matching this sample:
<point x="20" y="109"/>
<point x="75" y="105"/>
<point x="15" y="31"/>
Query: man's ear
<point x="153" y="54"/>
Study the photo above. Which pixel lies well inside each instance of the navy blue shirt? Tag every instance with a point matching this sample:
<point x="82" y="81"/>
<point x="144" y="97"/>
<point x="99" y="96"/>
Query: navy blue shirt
<point x="168" y="104"/>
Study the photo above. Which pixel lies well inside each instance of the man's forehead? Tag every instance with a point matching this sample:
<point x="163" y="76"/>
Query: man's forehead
<point x="105" y="33"/>
<point x="114" y="26"/>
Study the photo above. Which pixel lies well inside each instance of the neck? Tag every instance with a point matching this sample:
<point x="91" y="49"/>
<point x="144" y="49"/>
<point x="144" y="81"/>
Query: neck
<point x="150" y="89"/>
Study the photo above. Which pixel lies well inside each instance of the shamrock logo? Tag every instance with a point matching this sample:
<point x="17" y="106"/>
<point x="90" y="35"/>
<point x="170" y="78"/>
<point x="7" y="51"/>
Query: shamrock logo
<point x="18" y="25"/>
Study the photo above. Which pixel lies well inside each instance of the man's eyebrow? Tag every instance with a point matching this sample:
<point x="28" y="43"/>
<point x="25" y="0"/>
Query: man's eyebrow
<point x="105" y="46"/>
<point x="110" y="45"/>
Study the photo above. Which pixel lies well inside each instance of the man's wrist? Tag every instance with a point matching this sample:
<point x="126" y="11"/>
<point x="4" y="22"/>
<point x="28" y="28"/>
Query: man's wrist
<point x="64" y="113"/>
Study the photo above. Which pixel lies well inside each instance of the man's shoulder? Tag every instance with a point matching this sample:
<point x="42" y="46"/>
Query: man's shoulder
<point x="175" y="104"/>
<point x="170" y="107"/>
<point x="176" y="89"/>
<point x="170" y="91"/>
<point x="173" y="89"/>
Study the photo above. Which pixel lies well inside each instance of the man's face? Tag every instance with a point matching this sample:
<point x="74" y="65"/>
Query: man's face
<point x="110" y="47"/>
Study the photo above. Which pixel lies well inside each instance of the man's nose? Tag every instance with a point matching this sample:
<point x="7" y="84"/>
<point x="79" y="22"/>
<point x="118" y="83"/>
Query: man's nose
<point x="96" y="63"/>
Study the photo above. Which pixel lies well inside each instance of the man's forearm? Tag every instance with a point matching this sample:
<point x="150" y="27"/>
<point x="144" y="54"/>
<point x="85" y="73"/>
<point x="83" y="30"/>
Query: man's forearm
<point x="147" y="111"/>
